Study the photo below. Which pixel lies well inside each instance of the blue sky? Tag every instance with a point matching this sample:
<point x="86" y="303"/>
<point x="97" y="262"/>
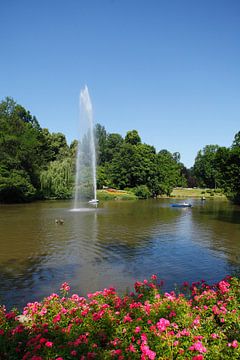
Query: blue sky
<point x="169" y="69"/>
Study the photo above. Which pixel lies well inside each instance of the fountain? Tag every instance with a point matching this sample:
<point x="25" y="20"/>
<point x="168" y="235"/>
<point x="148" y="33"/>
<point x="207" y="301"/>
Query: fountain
<point x="85" y="179"/>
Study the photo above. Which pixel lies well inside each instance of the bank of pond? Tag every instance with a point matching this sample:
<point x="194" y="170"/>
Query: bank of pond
<point x="142" y="193"/>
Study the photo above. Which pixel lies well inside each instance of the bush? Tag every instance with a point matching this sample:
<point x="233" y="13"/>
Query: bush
<point x="147" y="324"/>
<point x="142" y="192"/>
<point x="15" y="186"/>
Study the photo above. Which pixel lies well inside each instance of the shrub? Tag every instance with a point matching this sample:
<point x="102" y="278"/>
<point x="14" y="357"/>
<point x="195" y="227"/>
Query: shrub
<point x="147" y="324"/>
<point x="15" y="186"/>
<point x="142" y="192"/>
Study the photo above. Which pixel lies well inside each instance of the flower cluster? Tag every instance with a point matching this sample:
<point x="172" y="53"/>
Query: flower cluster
<point x="201" y="322"/>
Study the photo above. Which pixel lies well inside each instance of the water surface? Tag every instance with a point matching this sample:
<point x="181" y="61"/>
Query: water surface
<point x="114" y="245"/>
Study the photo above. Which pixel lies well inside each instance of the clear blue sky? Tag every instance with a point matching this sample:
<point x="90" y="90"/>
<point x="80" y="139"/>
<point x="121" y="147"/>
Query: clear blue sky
<point x="169" y="69"/>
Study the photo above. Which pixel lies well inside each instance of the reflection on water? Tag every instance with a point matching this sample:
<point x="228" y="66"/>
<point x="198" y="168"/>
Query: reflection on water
<point x="113" y="245"/>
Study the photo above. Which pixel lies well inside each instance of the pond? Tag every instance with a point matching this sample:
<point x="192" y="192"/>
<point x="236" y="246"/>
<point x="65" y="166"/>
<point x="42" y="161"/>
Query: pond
<point x="114" y="245"/>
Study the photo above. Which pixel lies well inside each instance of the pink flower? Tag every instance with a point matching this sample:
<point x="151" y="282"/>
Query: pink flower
<point x="98" y="315"/>
<point x="233" y="344"/>
<point x="198" y="357"/>
<point x="56" y="318"/>
<point x="49" y="344"/>
<point x="144" y="337"/>
<point x="132" y="348"/>
<point x="137" y="329"/>
<point x="65" y="287"/>
<point x="214" y="336"/>
<point x="127" y="318"/>
<point x="10" y="315"/>
<point x="43" y="311"/>
<point x="163" y="324"/>
<point x="42" y="341"/>
<point x="196" y="321"/>
<point x="198" y="346"/>
<point x="171" y="296"/>
<point x="147" y="352"/>
<point x="223" y="286"/>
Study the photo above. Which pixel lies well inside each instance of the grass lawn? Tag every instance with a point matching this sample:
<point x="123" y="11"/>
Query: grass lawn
<point x="198" y="193"/>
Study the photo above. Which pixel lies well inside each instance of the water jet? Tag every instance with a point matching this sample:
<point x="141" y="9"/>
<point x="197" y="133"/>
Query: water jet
<point x="85" y="178"/>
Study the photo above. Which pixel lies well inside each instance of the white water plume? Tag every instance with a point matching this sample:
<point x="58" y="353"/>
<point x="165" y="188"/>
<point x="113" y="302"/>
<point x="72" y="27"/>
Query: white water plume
<point x="85" y="179"/>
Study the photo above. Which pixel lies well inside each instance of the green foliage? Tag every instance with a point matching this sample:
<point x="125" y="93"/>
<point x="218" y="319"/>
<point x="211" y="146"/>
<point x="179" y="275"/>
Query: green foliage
<point x="107" y="144"/>
<point x="236" y="141"/>
<point x="25" y="152"/>
<point x="57" y="180"/>
<point x="169" y="173"/>
<point x="21" y="155"/>
<point x="34" y="162"/>
<point x="204" y="167"/>
<point x="15" y="186"/>
<point x="132" y="137"/>
<point x="130" y="164"/>
<point x="142" y="192"/>
<point x="56" y="147"/>
<point x="228" y="165"/>
<point x="201" y="322"/>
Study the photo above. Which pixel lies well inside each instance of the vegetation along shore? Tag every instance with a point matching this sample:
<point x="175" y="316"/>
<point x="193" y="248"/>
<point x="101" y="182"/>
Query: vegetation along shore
<point x="36" y="164"/>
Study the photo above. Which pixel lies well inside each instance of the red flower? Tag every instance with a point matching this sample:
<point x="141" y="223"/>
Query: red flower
<point x="49" y="344"/>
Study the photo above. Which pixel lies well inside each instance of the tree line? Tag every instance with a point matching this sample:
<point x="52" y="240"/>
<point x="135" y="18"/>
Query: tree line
<point x="37" y="164"/>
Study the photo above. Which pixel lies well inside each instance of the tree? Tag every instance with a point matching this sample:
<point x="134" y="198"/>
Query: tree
<point x="114" y="142"/>
<point x="132" y="137"/>
<point x="132" y="165"/>
<point x="21" y="154"/>
<point x="168" y="173"/>
<point x="101" y="139"/>
<point x="57" y="180"/>
<point x="15" y="186"/>
<point x="236" y="141"/>
<point x="227" y="162"/>
<point x="204" y="166"/>
<point x="56" y="145"/>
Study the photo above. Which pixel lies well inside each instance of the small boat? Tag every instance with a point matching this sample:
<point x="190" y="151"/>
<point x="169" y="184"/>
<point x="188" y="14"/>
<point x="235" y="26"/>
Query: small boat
<point x="93" y="201"/>
<point x="181" y="205"/>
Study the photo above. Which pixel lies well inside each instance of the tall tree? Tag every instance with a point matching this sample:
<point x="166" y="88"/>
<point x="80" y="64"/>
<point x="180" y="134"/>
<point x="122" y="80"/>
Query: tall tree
<point x="227" y="162"/>
<point x="204" y="166"/>
<point x="21" y="154"/>
<point x="101" y="138"/>
<point x="132" y="137"/>
<point x="168" y="172"/>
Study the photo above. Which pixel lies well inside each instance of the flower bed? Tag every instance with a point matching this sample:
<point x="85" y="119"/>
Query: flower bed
<point x="202" y="323"/>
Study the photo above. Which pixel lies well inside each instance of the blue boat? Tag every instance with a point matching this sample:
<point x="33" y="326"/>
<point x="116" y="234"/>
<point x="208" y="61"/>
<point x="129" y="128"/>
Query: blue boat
<point x="181" y="205"/>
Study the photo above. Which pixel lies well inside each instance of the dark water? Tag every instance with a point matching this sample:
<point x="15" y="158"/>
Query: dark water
<point x="114" y="245"/>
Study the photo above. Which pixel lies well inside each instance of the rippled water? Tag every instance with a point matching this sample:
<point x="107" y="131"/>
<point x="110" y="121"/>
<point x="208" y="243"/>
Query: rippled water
<point x="114" y="245"/>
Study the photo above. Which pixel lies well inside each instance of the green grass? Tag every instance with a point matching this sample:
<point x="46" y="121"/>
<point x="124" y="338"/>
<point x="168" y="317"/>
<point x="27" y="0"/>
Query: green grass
<point x="198" y="193"/>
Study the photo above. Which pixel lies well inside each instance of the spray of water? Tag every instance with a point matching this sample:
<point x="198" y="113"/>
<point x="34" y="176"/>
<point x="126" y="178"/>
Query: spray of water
<point x="85" y="178"/>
